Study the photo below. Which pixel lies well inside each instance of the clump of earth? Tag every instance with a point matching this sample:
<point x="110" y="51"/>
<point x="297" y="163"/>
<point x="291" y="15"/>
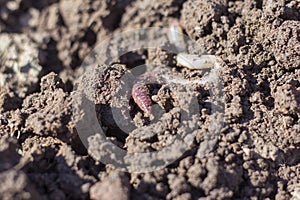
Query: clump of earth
<point x="256" y="152"/>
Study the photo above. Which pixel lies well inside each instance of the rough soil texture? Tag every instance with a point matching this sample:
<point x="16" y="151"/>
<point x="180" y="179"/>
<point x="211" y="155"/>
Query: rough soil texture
<point x="257" y="154"/>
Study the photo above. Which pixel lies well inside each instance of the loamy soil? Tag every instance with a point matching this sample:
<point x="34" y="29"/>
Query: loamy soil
<point x="257" y="154"/>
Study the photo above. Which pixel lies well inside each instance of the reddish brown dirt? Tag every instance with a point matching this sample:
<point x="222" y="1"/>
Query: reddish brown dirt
<point x="257" y="155"/>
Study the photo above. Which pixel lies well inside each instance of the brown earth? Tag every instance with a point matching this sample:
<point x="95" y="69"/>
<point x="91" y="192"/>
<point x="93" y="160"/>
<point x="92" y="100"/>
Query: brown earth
<point x="257" y="155"/>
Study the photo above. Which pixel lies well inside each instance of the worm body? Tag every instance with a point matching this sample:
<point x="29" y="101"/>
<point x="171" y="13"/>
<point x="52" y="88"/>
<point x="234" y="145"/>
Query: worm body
<point x="141" y="96"/>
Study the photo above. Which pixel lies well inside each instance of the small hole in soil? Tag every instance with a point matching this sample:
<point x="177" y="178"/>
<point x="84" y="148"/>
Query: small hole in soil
<point x="296" y="119"/>
<point x="133" y="59"/>
<point x="90" y="37"/>
<point x="259" y="4"/>
<point x="117" y="133"/>
<point x="269" y="102"/>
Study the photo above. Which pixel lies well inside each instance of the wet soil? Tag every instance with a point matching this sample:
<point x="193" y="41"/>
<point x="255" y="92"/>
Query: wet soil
<point x="257" y="153"/>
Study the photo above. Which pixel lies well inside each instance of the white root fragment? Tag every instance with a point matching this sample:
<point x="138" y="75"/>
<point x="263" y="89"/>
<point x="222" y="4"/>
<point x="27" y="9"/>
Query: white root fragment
<point x="192" y="61"/>
<point x="176" y="36"/>
<point x="202" y="62"/>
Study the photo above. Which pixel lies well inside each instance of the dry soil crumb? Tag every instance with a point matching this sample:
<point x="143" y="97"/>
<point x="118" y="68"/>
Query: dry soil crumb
<point x="258" y="149"/>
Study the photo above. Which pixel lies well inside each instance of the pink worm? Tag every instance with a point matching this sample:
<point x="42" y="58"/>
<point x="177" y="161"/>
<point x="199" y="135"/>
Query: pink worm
<point x="141" y="96"/>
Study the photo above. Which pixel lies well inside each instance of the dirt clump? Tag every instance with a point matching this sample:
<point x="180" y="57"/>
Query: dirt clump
<point x="253" y="154"/>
